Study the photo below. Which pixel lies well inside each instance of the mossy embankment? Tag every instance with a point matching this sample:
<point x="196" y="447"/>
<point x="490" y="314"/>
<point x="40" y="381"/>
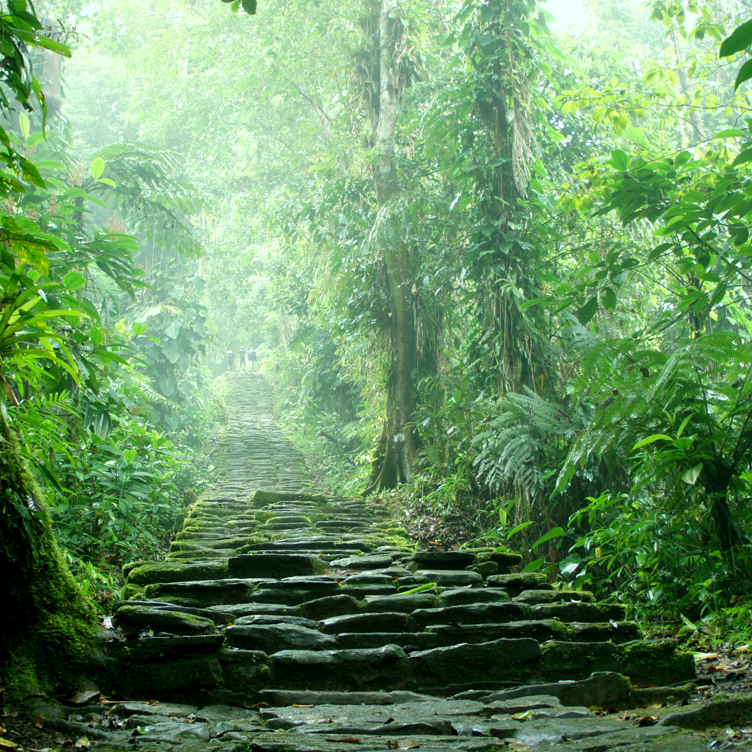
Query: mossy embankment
<point x="48" y="626"/>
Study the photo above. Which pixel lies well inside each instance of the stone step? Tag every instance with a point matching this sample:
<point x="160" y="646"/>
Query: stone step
<point x="280" y="598"/>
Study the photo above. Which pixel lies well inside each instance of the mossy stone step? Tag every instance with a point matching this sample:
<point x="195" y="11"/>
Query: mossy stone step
<point x="331" y="605"/>
<point x="313" y="593"/>
<point x="451" y="578"/>
<point x="442" y="560"/>
<point x="271" y="638"/>
<point x="458" y="666"/>
<point x="400" y="602"/>
<point x="585" y="612"/>
<point x="274" y="565"/>
<point x="360" y="563"/>
<point x="554" y="596"/>
<point x="369" y="622"/>
<point x="463" y="597"/>
<point x="408" y="641"/>
<point x="377" y="668"/>
<point x="474" y="613"/>
<point x="165" y="648"/>
<point x="135" y="619"/>
<point x="161" y="572"/>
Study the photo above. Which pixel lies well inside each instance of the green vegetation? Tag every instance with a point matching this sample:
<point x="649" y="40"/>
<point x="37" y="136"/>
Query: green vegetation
<point x="498" y="268"/>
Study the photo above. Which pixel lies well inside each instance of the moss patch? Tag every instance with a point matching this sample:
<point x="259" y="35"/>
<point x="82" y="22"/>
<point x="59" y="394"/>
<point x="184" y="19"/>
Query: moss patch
<point x="48" y="625"/>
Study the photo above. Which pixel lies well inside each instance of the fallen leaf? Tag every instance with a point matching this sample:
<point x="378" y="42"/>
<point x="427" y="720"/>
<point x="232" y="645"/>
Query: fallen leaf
<point x="87" y="697"/>
<point x="303" y="706"/>
<point x="648" y="720"/>
<point x="524" y="716"/>
<point x="39" y="721"/>
<point x="83" y="743"/>
<point x="4" y="743"/>
<point x="705" y="656"/>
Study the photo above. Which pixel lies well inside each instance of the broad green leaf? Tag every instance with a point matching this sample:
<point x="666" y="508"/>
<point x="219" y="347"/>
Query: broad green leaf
<point x="587" y="311"/>
<point x="608" y="299"/>
<point x="619" y="159"/>
<point x="97" y="335"/>
<point x="651" y="439"/>
<point x="23" y="123"/>
<point x="74" y="281"/>
<point x="534" y="566"/>
<point x="731" y="133"/>
<point x="739" y="39"/>
<point x="519" y="527"/>
<point x="97" y="168"/>
<point x="249" y="6"/>
<point x="129" y="455"/>
<point x="744" y="74"/>
<point x="690" y="476"/>
<point x="555" y="532"/>
<point x="533" y="302"/>
<point x="53" y="46"/>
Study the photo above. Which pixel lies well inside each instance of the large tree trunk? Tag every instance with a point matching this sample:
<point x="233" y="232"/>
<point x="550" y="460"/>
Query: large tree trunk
<point x="400" y="441"/>
<point x="48" y="625"/>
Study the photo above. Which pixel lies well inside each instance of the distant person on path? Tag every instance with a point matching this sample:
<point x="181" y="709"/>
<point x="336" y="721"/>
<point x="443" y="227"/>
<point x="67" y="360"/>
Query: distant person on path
<point x="230" y="359"/>
<point x="251" y="358"/>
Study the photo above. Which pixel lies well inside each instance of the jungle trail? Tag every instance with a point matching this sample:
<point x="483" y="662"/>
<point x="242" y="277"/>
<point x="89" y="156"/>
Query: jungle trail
<point x="283" y="620"/>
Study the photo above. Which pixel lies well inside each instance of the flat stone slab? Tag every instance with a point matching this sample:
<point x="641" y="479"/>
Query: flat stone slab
<point x="460" y="664"/>
<point x="360" y="563"/>
<point x="161" y="648"/>
<point x="328" y="606"/>
<point x="451" y="577"/>
<point x="271" y="638"/>
<point x="281" y="697"/>
<point x="150" y="572"/>
<point x="340" y="669"/>
<point x="134" y="619"/>
<point x="555" y="596"/>
<point x="582" y="612"/>
<point x="483" y="613"/>
<point x="442" y="559"/>
<point x="373" y="719"/>
<point x="274" y="565"/>
<point x="400" y="602"/>
<point x="465" y="596"/>
<point x="368" y="622"/>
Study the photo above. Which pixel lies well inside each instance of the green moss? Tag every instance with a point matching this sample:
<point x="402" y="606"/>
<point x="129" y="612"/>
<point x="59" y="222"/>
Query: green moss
<point x="132" y="593"/>
<point x="48" y="625"/>
<point x="150" y="572"/>
<point x="264" y="498"/>
<point x="657" y="662"/>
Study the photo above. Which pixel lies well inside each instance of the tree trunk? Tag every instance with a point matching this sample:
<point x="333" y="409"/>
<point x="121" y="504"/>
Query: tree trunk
<point x="400" y="441"/>
<point x="48" y="625"/>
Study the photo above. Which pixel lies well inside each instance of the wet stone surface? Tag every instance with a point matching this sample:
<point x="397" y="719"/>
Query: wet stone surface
<point x="281" y="621"/>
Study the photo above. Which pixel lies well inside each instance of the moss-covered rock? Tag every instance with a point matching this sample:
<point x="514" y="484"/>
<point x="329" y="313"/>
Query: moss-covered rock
<point x="150" y="572"/>
<point x="48" y="625"/>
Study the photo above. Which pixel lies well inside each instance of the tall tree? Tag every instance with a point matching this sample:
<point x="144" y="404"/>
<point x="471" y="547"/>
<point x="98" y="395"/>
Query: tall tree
<point x="400" y="441"/>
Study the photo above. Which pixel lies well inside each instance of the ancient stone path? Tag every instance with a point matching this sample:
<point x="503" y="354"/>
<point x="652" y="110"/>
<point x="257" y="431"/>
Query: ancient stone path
<point x="289" y="622"/>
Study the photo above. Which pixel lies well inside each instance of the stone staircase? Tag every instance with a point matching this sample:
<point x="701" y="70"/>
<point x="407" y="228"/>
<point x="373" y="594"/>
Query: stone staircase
<point x="283" y="620"/>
